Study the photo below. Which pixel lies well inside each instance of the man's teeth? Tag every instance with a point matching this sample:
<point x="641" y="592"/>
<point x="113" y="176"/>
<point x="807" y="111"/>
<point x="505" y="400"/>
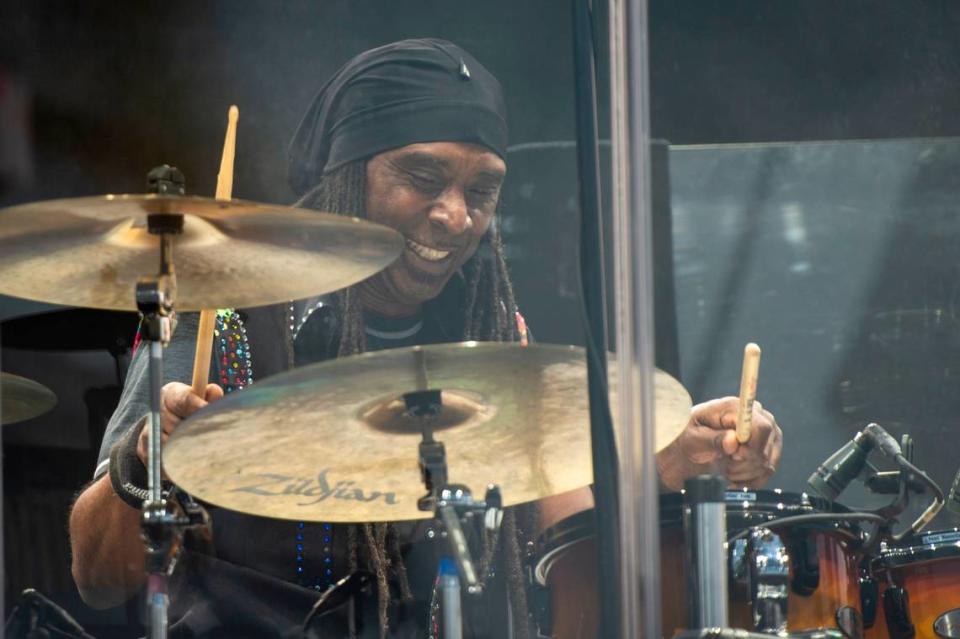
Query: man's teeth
<point x="426" y="252"/>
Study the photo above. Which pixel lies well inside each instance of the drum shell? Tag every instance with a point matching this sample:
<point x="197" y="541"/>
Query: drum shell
<point x="929" y="570"/>
<point x="570" y="555"/>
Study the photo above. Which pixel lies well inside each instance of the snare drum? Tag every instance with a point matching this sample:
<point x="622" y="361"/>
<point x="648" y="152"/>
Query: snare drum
<point x="822" y="589"/>
<point x="926" y="569"/>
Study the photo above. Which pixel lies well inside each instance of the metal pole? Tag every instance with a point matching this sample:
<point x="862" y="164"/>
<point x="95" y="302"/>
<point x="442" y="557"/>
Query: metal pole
<point x="632" y="245"/>
<point x="154" y="470"/>
<point x="450" y="599"/>
<point x="3" y="574"/>
<point x="705" y="527"/>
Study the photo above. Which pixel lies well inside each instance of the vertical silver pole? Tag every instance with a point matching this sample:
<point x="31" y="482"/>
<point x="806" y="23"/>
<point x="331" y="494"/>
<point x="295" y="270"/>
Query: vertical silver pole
<point x="154" y="469"/>
<point x="632" y="246"/>
<point x="705" y="527"/>
<point x="711" y="599"/>
<point x="450" y="600"/>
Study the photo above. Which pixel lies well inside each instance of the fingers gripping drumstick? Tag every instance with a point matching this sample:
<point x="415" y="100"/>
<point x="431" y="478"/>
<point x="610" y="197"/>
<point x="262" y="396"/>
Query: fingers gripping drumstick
<point x="748" y="391"/>
<point x="201" y="358"/>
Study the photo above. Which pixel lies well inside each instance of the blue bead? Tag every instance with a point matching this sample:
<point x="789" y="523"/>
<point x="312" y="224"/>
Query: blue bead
<point x="299" y="547"/>
<point x="327" y="560"/>
<point x="300" y="569"/>
<point x="299" y="559"/>
<point x="326" y="539"/>
<point x="326" y="526"/>
<point x="329" y="572"/>
<point x="300" y="525"/>
<point x="299" y="536"/>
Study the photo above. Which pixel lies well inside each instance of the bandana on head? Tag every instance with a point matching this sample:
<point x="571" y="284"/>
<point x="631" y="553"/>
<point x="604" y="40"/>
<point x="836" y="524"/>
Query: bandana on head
<point x="410" y="91"/>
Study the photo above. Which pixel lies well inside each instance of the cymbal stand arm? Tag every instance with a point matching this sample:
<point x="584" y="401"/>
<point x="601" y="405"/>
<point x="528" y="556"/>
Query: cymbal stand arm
<point x="450" y="503"/>
<point x="453" y="502"/>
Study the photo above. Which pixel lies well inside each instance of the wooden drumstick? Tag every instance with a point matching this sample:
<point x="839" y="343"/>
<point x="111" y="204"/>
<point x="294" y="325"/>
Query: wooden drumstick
<point x="748" y="391"/>
<point x="201" y="358"/>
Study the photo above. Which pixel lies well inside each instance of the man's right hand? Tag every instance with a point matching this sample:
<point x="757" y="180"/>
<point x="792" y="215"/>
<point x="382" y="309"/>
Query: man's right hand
<point x="177" y="402"/>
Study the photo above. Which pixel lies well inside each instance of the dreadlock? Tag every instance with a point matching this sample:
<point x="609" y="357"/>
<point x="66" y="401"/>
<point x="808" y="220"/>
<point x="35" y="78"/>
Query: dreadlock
<point x="488" y="315"/>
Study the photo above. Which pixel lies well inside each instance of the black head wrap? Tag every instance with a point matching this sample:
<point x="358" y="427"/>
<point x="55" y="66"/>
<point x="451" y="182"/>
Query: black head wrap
<point x="410" y="91"/>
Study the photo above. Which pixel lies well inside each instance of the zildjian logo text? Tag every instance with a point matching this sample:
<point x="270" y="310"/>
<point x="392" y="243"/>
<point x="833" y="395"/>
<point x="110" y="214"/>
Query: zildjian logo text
<point x="276" y="485"/>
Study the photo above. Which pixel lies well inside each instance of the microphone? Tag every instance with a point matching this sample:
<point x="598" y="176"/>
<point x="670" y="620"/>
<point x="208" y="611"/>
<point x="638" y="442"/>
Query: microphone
<point x="835" y="474"/>
<point x="888" y="444"/>
<point x="953" y="498"/>
<point x="35" y="615"/>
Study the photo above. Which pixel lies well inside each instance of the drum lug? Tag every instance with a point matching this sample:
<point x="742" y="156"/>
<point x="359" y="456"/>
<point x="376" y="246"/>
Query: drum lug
<point x="869" y="594"/>
<point x="769" y="577"/>
<point x="896" y="610"/>
<point x="806" y="566"/>
<point x="737" y="570"/>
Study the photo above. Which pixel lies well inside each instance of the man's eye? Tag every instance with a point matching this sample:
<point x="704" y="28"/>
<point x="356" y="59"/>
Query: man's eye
<point x="484" y="196"/>
<point x="425" y="182"/>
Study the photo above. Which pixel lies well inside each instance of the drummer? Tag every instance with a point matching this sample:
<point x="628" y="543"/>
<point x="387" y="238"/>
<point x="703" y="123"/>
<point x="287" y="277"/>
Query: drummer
<point x="411" y="135"/>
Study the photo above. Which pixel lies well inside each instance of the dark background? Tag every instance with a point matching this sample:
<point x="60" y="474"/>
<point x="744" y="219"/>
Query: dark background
<point x="94" y="94"/>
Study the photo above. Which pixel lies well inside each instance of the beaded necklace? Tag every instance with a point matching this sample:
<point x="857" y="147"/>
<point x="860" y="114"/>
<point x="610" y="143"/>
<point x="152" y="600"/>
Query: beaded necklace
<point x="324" y="580"/>
<point x="232" y="353"/>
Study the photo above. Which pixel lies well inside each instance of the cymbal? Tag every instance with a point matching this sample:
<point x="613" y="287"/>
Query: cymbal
<point x="90" y="251"/>
<point x="22" y="398"/>
<point x="332" y="441"/>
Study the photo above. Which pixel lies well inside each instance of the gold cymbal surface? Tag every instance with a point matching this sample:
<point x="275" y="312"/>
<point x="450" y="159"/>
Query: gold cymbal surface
<point x="91" y="251"/>
<point x="22" y="399"/>
<point x="333" y="441"/>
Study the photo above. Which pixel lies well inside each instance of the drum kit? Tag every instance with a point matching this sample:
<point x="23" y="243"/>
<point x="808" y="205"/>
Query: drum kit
<point x="419" y="430"/>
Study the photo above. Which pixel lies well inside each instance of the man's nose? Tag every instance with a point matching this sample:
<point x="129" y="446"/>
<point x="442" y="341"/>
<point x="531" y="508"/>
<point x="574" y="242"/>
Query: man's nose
<point x="450" y="211"/>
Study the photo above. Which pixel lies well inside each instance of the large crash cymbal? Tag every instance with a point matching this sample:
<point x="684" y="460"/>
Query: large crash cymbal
<point x="332" y="441"/>
<point x="22" y="399"/>
<point x="90" y="251"/>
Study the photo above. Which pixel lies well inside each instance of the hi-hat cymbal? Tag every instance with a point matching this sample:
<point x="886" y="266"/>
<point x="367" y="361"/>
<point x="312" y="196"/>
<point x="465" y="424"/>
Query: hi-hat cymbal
<point x="90" y="251"/>
<point x="22" y="398"/>
<point x="332" y="441"/>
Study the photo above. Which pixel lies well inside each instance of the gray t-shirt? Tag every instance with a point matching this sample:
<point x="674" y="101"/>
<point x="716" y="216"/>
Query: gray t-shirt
<point x="134" y="403"/>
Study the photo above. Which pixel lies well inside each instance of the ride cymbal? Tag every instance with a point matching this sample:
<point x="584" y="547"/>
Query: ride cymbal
<point x="91" y="251"/>
<point x="22" y="399"/>
<point x="333" y="441"/>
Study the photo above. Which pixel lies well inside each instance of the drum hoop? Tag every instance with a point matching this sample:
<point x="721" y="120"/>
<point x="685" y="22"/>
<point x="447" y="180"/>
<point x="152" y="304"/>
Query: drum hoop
<point x="933" y="546"/>
<point x="762" y="505"/>
<point x="554" y="540"/>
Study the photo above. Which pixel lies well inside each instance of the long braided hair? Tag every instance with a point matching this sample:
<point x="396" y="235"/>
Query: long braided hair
<point x="489" y="316"/>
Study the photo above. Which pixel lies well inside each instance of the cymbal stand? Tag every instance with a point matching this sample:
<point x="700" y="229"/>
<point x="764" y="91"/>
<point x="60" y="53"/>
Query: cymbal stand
<point x="161" y="527"/>
<point x="451" y="504"/>
<point x="155" y="299"/>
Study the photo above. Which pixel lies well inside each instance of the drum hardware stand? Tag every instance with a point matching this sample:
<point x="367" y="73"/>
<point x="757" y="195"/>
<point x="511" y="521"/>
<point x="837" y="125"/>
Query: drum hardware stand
<point x="450" y="504"/>
<point x="161" y="527"/>
<point x="705" y="526"/>
<point x="761" y="563"/>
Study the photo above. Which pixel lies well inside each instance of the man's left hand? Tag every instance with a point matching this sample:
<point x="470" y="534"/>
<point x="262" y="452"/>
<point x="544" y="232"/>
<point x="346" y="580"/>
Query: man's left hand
<point x="708" y="444"/>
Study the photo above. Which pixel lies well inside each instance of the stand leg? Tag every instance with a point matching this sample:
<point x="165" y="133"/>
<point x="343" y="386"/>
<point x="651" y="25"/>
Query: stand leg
<point x="157" y="606"/>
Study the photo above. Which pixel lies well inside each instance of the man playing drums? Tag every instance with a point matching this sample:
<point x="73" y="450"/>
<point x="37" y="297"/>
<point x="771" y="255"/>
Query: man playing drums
<point x="411" y="135"/>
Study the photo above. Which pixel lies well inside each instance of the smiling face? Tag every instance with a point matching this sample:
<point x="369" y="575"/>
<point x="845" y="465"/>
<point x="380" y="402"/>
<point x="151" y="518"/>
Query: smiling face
<point x="441" y="196"/>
